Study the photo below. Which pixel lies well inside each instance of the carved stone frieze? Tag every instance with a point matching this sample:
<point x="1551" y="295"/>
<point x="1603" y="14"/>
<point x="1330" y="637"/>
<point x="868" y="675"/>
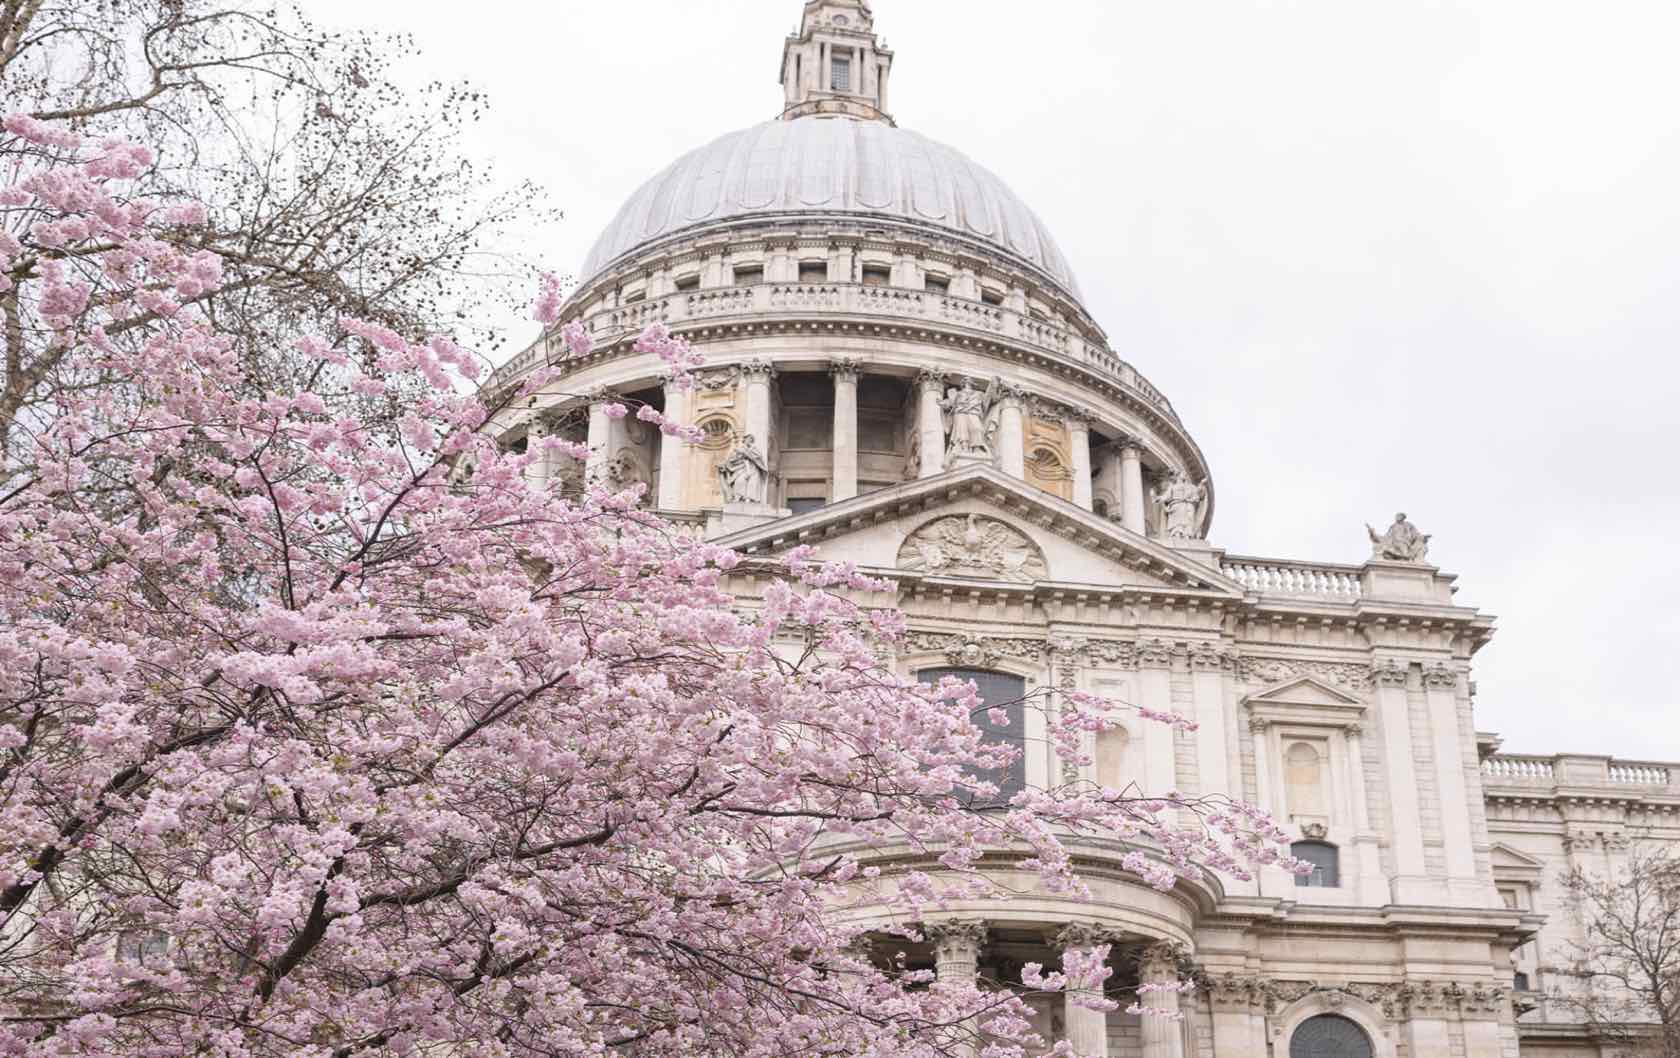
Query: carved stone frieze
<point x="973" y="546"/>
<point x="972" y="650"/>
<point x="1154" y="653"/>
<point x="1276" y="670"/>
<point x="1397" y="1000"/>
<point x="1116" y="652"/>
<point x="719" y="379"/>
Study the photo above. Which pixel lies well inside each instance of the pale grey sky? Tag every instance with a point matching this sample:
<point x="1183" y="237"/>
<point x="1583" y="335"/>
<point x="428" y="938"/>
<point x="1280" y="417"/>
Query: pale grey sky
<point x="1382" y="256"/>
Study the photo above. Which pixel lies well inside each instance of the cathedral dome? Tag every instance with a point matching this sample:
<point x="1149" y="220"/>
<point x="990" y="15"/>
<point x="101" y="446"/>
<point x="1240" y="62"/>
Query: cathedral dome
<point x="817" y="167"/>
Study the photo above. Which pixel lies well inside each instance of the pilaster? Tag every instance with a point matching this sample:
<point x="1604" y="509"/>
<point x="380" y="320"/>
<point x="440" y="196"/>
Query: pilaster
<point x="1409" y="884"/>
<point x="930" y="423"/>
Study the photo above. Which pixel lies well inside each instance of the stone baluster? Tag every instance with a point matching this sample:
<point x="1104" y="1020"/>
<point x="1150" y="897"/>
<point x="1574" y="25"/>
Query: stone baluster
<point x="673" y="451"/>
<point x="845" y="374"/>
<point x="1079" y="441"/>
<point x="1131" y="488"/>
<point x="1012" y="433"/>
<point x="1163" y="1034"/>
<point x="931" y="423"/>
<point x="1087" y="1029"/>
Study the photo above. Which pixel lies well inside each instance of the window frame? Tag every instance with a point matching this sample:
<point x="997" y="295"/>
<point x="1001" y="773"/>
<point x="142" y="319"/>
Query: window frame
<point x="1015" y="731"/>
<point x="1306" y="881"/>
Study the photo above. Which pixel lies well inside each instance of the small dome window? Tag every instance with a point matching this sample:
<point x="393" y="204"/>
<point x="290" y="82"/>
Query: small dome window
<point x="842" y="20"/>
<point x="1330" y="1036"/>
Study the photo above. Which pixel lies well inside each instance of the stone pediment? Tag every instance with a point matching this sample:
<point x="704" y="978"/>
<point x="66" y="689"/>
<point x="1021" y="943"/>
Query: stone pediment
<point x="979" y="524"/>
<point x="1511" y="865"/>
<point x="1304" y="690"/>
<point x="1304" y="701"/>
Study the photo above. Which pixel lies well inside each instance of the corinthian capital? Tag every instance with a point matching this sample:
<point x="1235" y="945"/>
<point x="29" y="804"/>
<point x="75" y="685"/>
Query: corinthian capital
<point x="1082" y="936"/>
<point x="754" y="370"/>
<point x="1388" y="673"/>
<point x="844" y="369"/>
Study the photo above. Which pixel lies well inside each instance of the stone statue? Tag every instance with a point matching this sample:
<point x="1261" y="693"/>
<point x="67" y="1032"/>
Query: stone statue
<point x="968" y="425"/>
<point x="1181" y="506"/>
<point x="1402" y="542"/>
<point x="745" y="475"/>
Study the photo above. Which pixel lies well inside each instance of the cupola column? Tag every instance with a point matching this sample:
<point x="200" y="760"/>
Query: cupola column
<point x="930" y="423"/>
<point x="1012" y="434"/>
<point x="673" y="450"/>
<point x="755" y="379"/>
<point x="1163" y="1035"/>
<point x="1079" y="441"/>
<point x="956" y="954"/>
<point x="1087" y="1028"/>
<point x="600" y="437"/>
<point x="845" y="374"/>
<point x="1131" y="487"/>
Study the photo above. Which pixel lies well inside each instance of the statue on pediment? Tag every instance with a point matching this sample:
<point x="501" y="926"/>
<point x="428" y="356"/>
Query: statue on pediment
<point x="969" y="422"/>
<point x="1402" y="542"/>
<point x="1181" y="506"/>
<point x="745" y="475"/>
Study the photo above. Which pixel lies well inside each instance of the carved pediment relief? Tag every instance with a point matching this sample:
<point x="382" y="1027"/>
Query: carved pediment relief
<point x="973" y="545"/>
<point x="1305" y="701"/>
<point x="1304" y="690"/>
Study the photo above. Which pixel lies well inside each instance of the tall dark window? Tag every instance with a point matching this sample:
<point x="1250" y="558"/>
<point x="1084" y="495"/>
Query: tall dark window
<point x="1323" y="856"/>
<point x="1004" y="691"/>
<point x="842" y="74"/>
<point x="1330" y="1036"/>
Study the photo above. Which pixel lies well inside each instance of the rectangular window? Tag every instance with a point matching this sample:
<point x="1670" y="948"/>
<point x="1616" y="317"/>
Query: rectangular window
<point x="749" y="275"/>
<point x="842" y="73"/>
<point x="878" y="432"/>
<point x="937" y="284"/>
<point x="813" y="271"/>
<point x="991" y="297"/>
<point x="806" y="505"/>
<point x="688" y="283"/>
<point x="876" y="276"/>
<point x="1002" y="691"/>
<point x="808" y="429"/>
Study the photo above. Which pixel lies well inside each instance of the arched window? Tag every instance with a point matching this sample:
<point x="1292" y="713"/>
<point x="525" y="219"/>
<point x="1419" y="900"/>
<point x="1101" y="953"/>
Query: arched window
<point x="1303" y="775"/>
<point x="1004" y="691"/>
<point x="1323" y="856"/>
<point x="1111" y="758"/>
<point x="1330" y="1036"/>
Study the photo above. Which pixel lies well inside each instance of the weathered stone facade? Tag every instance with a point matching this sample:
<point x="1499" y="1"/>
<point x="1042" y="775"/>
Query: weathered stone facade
<point x="928" y="398"/>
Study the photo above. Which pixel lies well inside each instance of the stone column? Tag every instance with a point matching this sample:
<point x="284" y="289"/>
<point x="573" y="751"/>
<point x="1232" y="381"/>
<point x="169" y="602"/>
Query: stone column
<point x="930" y="423"/>
<point x="538" y="471"/>
<point x="673" y="451"/>
<point x="845" y="374"/>
<point x="1087" y="1029"/>
<point x="1131" y="488"/>
<point x="1440" y="686"/>
<point x="600" y="438"/>
<point x="1108" y="475"/>
<point x="755" y="379"/>
<point x="1394" y="714"/>
<point x="1079" y="443"/>
<point x="1163" y="1036"/>
<point x="956" y="953"/>
<point x="1012" y="434"/>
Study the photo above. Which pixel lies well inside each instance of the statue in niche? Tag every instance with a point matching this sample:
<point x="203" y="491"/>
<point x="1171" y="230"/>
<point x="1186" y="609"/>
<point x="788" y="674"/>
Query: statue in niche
<point x="1402" y="542"/>
<point x="1181" y="506"/>
<point x="969" y="421"/>
<point x="745" y="475"/>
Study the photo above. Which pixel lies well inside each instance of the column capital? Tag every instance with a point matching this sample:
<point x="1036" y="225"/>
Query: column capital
<point x="1440" y="677"/>
<point x="755" y="370"/>
<point x="601" y="395"/>
<point x="1161" y="962"/>
<point x="1083" y="936"/>
<point x="957" y="933"/>
<point x="844" y="369"/>
<point x="1389" y="673"/>
<point x="932" y="378"/>
<point x="1079" y="420"/>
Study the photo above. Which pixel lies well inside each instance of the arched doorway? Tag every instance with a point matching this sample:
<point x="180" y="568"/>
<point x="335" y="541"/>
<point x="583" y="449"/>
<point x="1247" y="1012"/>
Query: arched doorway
<point x="1330" y="1036"/>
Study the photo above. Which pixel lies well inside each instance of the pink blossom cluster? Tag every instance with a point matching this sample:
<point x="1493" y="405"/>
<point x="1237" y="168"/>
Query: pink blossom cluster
<point x="316" y="746"/>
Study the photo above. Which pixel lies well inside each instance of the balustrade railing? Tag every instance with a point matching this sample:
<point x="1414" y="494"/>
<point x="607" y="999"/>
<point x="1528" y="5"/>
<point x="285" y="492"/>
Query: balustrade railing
<point x="770" y="299"/>
<point x="1570" y="770"/>
<point x="1639" y="774"/>
<point x="1519" y="769"/>
<point x="1294" y="578"/>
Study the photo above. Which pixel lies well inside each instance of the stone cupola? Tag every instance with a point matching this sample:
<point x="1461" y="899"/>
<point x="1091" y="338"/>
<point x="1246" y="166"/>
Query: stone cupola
<point x="836" y="65"/>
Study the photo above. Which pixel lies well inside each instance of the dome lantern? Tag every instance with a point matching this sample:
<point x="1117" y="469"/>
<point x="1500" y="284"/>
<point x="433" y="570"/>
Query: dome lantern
<point x="835" y="66"/>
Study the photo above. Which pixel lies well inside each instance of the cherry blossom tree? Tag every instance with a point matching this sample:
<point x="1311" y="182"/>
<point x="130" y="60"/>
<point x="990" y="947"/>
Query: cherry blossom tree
<point x="323" y="735"/>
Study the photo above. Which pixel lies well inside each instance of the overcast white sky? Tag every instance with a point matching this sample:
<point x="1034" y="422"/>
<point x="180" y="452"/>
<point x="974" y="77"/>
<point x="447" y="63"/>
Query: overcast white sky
<point x="1382" y="256"/>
